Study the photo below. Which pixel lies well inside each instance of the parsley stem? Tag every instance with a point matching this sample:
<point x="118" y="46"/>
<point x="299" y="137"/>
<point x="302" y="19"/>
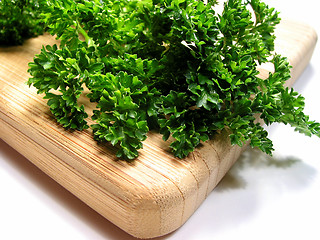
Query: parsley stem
<point x="88" y="40"/>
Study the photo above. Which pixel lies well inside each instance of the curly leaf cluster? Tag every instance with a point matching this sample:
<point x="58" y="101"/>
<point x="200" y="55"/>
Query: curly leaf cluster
<point x="172" y="65"/>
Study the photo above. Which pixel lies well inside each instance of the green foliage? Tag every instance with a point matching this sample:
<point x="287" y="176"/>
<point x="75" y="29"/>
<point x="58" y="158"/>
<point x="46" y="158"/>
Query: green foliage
<point x="173" y="65"/>
<point x="61" y="70"/>
<point x="19" y="20"/>
<point x="123" y="103"/>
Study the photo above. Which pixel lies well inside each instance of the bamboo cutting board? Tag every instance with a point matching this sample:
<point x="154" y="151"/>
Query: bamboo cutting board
<point x="156" y="193"/>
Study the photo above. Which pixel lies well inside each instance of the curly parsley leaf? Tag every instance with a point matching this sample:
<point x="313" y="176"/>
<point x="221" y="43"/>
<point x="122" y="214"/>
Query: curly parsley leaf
<point x="122" y="118"/>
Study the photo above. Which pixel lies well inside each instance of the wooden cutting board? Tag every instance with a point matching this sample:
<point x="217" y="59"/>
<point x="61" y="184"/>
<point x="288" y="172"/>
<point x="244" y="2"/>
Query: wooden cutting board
<point x="156" y="193"/>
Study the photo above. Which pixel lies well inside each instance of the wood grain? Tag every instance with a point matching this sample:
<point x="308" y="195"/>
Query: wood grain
<point x="156" y="193"/>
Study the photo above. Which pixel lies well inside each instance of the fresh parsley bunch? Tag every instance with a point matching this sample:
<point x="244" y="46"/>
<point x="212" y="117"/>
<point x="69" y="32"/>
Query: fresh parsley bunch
<point x="172" y="65"/>
<point x="19" y="20"/>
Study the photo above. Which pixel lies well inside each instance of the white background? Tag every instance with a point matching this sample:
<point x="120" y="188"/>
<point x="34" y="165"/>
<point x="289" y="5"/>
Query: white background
<point x="260" y="198"/>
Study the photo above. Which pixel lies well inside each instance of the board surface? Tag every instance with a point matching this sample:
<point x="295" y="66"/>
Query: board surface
<point x="150" y="197"/>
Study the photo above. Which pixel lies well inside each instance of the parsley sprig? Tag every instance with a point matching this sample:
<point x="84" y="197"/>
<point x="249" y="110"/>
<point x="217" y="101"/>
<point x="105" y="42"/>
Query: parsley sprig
<point x="19" y="20"/>
<point x="172" y="65"/>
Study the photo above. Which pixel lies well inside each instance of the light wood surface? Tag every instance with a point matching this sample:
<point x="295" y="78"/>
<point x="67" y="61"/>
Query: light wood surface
<point x="156" y="193"/>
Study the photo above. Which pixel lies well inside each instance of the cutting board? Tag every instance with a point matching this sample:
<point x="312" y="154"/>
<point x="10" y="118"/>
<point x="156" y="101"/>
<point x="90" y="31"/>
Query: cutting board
<point x="150" y="197"/>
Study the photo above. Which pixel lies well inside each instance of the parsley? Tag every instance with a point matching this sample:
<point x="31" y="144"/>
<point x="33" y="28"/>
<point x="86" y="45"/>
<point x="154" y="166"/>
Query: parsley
<point x="172" y="65"/>
<point x="19" y="20"/>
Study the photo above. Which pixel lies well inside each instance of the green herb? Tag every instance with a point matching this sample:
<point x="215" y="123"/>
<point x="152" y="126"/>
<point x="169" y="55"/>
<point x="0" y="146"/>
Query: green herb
<point x="173" y="65"/>
<point x="19" y="20"/>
